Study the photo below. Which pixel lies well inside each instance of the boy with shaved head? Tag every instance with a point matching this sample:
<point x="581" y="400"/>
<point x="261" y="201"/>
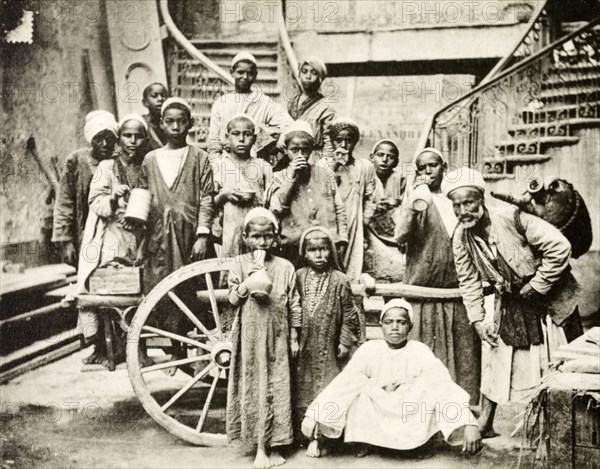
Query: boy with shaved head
<point x="246" y="99"/>
<point x="241" y="181"/>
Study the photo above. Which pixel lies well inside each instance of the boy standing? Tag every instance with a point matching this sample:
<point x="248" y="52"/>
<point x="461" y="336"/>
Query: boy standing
<point x="303" y="195"/>
<point x="268" y="116"/>
<point x="154" y="96"/>
<point x="240" y="182"/>
<point x="179" y="176"/>
<point x="71" y="207"/>
<point x="384" y="261"/>
<point x="259" y="403"/>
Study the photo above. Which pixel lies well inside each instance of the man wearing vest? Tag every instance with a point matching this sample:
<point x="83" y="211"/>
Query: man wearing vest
<point x="527" y="261"/>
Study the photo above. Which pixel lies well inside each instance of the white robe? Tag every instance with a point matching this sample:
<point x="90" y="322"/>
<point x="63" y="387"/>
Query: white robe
<point x="426" y="402"/>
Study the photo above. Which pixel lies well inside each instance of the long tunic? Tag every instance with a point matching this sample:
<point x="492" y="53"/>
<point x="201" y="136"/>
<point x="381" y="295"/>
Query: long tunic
<point x="319" y="115"/>
<point x="259" y="394"/>
<point x="383" y="261"/>
<point x="442" y="325"/>
<point x="427" y="400"/>
<point x="176" y="213"/>
<point x="331" y="321"/>
<point x="256" y="104"/>
<point x="356" y="185"/>
<point x="104" y="238"/>
<point x="315" y="201"/>
<point x="231" y="173"/>
<point x="71" y="207"/>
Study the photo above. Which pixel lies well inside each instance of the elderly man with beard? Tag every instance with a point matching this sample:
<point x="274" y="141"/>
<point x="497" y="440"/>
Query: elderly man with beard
<point x="527" y="261"/>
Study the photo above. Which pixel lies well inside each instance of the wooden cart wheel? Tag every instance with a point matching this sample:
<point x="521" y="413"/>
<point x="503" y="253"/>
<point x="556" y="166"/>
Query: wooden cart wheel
<point x="194" y="342"/>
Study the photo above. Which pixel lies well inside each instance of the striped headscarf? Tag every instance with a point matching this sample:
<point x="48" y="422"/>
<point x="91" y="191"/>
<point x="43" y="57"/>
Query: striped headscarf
<point x="344" y="123"/>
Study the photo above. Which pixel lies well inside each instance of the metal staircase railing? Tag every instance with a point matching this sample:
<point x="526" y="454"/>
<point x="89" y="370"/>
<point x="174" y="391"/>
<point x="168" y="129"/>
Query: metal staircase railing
<point x="198" y="78"/>
<point x="537" y="36"/>
<point x="194" y="76"/>
<point x="512" y="118"/>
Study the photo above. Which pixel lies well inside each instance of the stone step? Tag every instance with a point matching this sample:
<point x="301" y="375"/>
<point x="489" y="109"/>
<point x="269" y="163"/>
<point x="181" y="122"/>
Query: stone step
<point x="569" y="79"/>
<point x="534" y="144"/>
<point x="233" y="44"/>
<point x="518" y="159"/>
<point x="548" y="94"/>
<point x="266" y="78"/>
<point x="575" y="68"/>
<point x="552" y="112"/>
<point x="225" y="62"/>
<point x="231" y="53"/>
<point x="556" y="128"/>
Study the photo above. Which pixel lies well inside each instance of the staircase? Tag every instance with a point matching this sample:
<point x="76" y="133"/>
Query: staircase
<point x="526" y="113"/>
<point x="191" y="80"/>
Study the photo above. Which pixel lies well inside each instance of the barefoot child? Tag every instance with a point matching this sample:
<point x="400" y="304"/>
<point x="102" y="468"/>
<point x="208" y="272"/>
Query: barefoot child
<point x="304" y="195"/>
<point x="240" y="181"/>
<point x="329" y="320"/>
<point x="153" y="97"/>
<point x="107" y="237"/>
<point x="259" y="410"/>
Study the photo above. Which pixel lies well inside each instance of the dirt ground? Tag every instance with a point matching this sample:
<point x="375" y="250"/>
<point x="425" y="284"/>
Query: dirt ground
<point x="57" y="416"/>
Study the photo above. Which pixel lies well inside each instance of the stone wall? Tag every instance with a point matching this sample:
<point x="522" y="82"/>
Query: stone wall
<point x="45" y="93"/>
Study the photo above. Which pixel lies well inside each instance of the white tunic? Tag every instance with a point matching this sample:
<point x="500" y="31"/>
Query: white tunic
<point x="426" y="402"/>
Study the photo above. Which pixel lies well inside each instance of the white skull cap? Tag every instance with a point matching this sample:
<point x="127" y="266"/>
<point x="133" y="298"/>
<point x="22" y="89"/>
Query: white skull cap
<point x="397" y="303"/>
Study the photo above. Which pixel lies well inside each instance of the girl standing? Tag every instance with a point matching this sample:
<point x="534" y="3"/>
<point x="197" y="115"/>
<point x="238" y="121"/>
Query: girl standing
<point x="329" y="318"/>
<point x="266" y="337"/>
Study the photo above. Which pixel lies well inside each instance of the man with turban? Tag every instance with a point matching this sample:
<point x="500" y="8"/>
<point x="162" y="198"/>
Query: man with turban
<point x="311" y="106"/>
<point x="393" y="393"/>
<point x="71" y="206"/>
<point x="426" y="238"/>
<point x="270" y="118"/>
<point x="527" y="261"/>
<point x="356" y="182"/>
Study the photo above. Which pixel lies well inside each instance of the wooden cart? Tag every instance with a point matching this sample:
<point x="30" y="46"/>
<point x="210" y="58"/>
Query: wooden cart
<point x="195" y="345"/>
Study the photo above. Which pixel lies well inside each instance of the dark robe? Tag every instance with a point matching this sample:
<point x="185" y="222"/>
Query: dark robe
<point x="331" y="321"/>
<point x="71" y="207"/>
<point x="442" y="325"/>
<point x="176" y="213"/>
<point x="156" y="135"/>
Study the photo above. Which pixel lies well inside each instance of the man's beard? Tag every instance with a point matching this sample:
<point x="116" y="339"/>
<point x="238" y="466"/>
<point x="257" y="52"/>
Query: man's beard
<point x="470" y="220"/>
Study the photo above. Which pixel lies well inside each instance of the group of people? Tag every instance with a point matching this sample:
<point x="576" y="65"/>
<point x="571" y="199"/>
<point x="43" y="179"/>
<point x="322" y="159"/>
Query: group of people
<point x="300" y="364"/>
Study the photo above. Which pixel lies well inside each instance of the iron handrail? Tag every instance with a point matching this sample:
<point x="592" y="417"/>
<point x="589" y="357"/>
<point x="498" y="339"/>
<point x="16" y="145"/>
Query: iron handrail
<point x="189" y="47"/>
<point x="428" y="126"/>
<point x="514" y="69"/>
<point x="504" y="60"/>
